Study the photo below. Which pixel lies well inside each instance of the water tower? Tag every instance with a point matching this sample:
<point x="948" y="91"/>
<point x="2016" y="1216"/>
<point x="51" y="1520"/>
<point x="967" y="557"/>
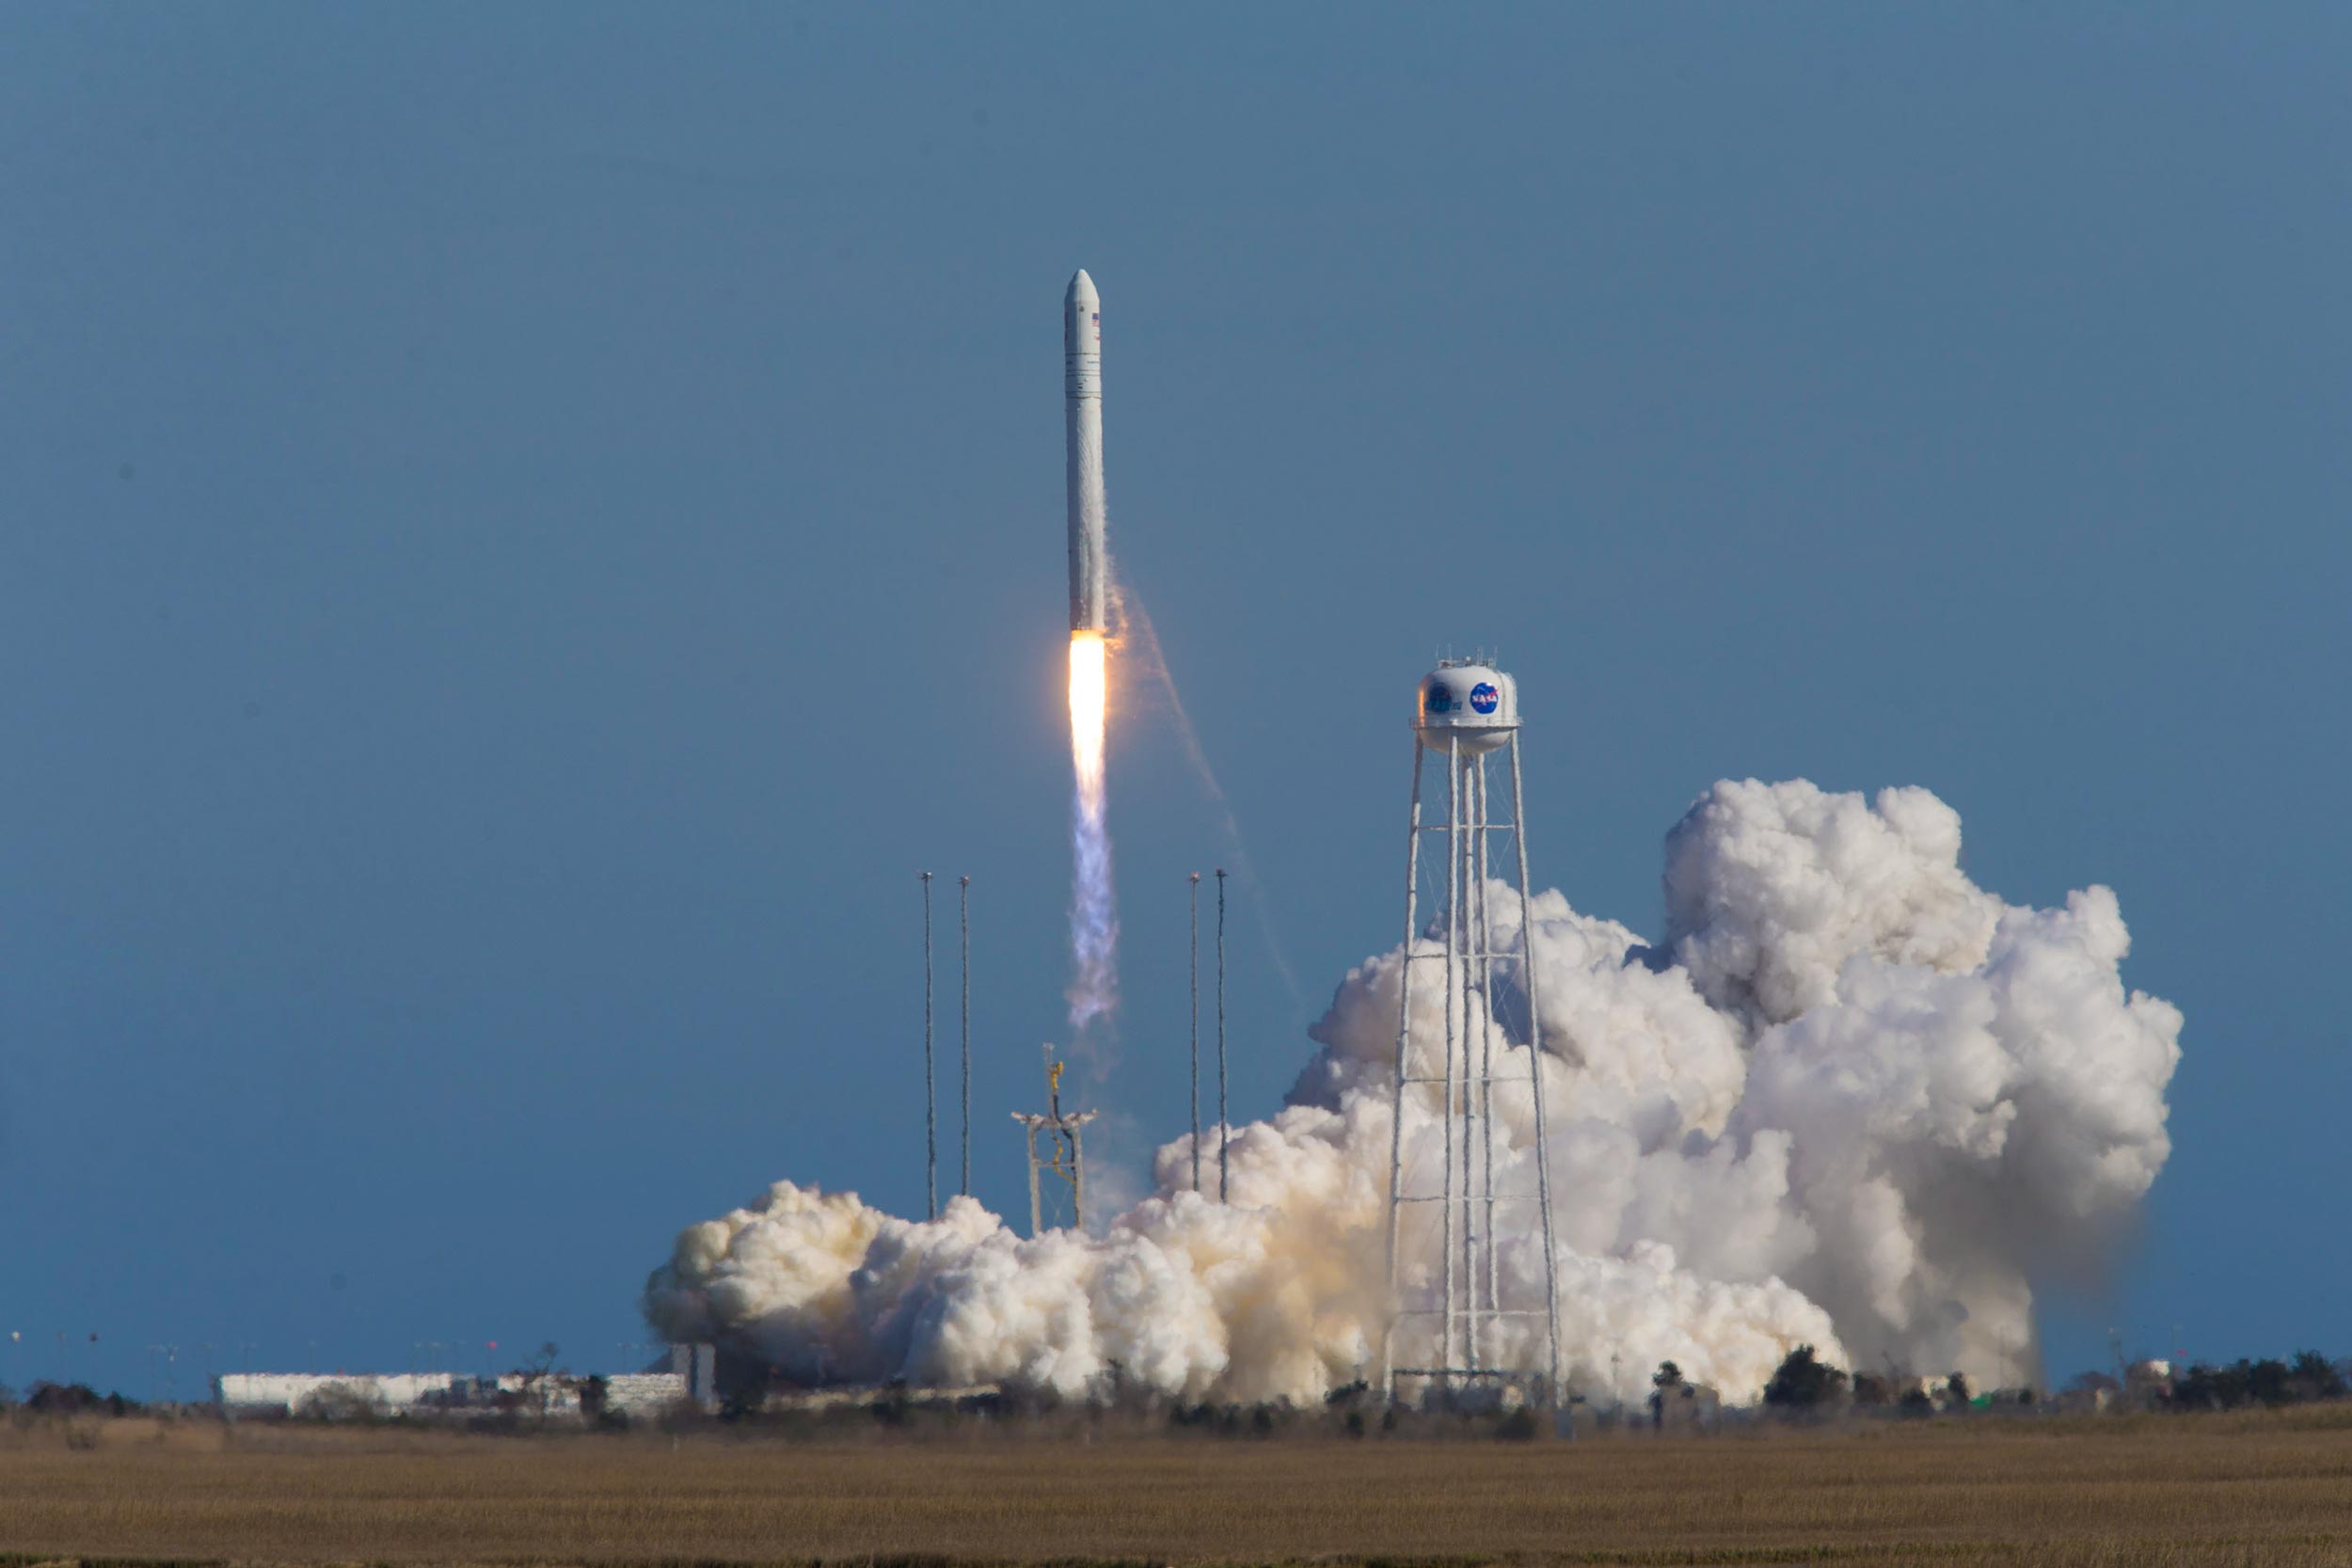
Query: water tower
<point x="1453" y="1331"/>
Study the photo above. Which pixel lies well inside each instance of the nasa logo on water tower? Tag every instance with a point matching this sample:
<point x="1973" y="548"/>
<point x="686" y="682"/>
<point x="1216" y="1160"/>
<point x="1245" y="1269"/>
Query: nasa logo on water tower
<point x="1467" y="707"/>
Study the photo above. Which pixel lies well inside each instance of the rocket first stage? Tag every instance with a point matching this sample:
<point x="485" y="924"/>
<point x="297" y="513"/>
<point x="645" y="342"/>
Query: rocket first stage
<point x="1082" y="405"/>
<point x="1093" y="912"/>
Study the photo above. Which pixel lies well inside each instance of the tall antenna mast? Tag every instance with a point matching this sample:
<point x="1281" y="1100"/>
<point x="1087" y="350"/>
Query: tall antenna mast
<point x="1224" y="1122"/>
<point x="963" y="913"/>
<point x="1196" y="1031"/>
<point x="930" y="1089"/>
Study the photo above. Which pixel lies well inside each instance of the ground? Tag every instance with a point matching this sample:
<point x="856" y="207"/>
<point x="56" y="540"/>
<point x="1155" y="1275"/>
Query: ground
<point x="2267" y="1489"/>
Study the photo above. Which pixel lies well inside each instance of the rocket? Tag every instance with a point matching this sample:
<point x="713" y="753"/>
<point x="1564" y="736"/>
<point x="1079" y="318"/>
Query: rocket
<point x="1081" y="407"/>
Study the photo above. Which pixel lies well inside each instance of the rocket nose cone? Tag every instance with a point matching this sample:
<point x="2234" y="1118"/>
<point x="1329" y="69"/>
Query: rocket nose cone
<point x="1082" y="290"/>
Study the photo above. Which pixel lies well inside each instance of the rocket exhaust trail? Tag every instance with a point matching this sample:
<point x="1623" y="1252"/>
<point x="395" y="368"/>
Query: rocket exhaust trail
<point x="1093" y="915"/>
<point x="1093" y="912"/>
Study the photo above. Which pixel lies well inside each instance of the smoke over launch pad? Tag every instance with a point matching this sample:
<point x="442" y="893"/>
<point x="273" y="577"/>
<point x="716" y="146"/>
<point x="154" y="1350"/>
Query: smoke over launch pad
<point x="1845" y="1098"/>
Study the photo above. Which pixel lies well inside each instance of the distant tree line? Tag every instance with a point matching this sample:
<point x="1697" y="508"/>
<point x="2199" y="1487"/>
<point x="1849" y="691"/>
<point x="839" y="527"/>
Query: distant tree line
<point x="1803" y="1384"/>
<point x="68" y="1399"/>
<point x="2308" y="1376"/>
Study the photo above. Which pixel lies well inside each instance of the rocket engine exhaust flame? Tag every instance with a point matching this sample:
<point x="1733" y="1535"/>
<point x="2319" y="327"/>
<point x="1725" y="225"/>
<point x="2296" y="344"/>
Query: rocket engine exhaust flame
<point x="1093" y="914"/>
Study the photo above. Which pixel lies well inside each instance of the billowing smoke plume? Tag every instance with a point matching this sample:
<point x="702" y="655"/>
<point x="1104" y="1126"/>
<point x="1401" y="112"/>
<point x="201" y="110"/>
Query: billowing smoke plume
<point x="1848" y="1098"/>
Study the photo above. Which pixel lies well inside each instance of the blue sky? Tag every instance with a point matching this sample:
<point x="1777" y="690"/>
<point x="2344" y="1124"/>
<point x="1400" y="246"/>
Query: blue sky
<point x="527" y="525"/>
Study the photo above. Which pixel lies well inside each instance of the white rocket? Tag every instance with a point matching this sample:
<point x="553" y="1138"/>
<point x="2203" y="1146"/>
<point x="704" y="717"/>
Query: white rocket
<point x="1082" y="406"/>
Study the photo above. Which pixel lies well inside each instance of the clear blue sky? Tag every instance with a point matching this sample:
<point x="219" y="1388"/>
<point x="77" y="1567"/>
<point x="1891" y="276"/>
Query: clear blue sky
<point x="526" y="524"/>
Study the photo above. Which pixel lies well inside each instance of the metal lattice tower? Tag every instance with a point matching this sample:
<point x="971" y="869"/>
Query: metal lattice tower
<point x="1448" y="1332"/>
<point x="1063" y="1157"/>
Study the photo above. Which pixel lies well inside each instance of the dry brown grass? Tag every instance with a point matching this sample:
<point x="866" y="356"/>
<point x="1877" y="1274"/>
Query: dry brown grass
<point x="2176" y="1493"/>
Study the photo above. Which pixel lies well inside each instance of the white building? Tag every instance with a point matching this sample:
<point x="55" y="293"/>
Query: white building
<point x="691" y="1382"/>
<point x="324" y="1393"/>
<point x="639" y="1394"/>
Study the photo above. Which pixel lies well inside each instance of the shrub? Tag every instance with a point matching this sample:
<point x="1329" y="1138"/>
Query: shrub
<point x="1519" y="1426"/>
<point x="75" y="1399"/>
<point x="2312" y="1376"/>
<point x="1804" y="1383"/>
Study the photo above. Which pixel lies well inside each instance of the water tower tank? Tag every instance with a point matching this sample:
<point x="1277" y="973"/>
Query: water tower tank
<point x="1469" y="703"/>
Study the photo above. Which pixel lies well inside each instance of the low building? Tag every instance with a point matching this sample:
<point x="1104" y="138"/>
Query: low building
<point x="345" y="1394"/>
<point x="689" y="1383"/>
<point x="637" y="1395"/>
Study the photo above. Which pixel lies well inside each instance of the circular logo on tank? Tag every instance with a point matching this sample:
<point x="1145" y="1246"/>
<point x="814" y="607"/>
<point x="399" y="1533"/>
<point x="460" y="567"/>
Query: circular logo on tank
<point x="1484" y="697"/>
<point x="1440" y="697"/>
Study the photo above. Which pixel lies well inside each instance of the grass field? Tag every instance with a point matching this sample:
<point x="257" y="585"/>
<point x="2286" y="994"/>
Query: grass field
<point x="2159" y="1491"/>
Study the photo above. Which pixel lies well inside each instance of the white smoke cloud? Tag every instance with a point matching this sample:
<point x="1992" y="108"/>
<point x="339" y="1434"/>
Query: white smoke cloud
<point x="1849" y="1099"/>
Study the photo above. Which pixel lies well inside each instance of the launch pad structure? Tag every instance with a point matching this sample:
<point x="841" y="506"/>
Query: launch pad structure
<point x="1467" y="711"/>
<point x="1064" y="1156"/>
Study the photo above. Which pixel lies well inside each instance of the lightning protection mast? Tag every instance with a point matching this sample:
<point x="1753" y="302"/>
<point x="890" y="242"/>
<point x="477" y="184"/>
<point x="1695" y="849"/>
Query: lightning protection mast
<point x="1451" y="1326"/>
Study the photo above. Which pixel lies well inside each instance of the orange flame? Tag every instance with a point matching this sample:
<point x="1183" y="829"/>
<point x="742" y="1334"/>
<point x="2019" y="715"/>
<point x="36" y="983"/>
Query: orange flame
<point x="1089" y="698"/>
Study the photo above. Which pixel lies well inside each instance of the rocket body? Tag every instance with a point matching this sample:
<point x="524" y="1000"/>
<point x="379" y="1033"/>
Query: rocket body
<point x="1081" y="407"/>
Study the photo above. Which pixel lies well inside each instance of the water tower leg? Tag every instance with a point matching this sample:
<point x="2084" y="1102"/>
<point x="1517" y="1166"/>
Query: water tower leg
<point x="1536" y="1076"/>
<point x="1396" y="1103"/>
<point x="1447" y="1359"/>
